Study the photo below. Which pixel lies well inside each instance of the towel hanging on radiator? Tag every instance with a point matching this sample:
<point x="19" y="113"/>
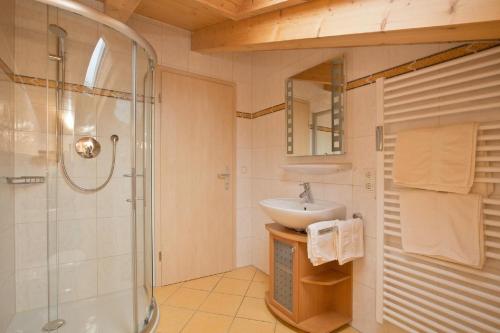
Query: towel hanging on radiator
<point x="444" y="225"/>
<point x="439" y="159"/>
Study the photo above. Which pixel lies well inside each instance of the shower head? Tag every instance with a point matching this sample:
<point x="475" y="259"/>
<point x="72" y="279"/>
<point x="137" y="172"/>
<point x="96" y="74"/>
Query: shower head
<point x="57" y="30"/>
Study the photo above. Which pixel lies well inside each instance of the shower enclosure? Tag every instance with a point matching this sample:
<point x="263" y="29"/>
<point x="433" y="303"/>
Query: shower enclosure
<point x="80" y="182"/>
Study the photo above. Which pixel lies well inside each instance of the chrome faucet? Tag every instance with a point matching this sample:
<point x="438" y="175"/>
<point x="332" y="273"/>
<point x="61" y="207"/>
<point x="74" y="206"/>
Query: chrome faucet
<point x="307" y="194"/>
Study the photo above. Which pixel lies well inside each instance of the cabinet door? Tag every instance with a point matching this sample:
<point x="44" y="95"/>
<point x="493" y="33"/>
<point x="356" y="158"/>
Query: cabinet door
<point x="284" y="269"/>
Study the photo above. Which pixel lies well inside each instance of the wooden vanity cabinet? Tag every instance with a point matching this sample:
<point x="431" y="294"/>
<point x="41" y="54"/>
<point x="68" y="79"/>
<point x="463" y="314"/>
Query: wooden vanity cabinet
<point x="313" y="299"/>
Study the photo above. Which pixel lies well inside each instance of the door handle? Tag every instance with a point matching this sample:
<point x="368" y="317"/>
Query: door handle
<point x="225" y="175"/>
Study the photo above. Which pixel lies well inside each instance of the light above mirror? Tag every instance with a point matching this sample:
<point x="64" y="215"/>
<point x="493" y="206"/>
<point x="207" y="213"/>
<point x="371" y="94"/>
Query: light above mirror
<point x="315" y="103"/>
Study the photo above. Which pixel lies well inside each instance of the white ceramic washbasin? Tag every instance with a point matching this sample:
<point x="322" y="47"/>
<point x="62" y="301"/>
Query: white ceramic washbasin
<point x="295" y="214"/>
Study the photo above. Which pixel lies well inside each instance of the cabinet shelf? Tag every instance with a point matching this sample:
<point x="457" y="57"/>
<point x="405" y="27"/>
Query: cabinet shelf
<point x="327" y="278"/>
<point x="312" y="299"/>
<point x="324" y="322"/>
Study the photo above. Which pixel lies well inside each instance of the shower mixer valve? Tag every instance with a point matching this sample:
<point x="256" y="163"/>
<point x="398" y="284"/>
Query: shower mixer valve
<point x="89" y="147"/>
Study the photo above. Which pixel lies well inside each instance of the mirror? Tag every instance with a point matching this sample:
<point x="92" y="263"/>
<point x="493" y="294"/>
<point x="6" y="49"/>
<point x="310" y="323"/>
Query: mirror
<point x="315" y="103"/>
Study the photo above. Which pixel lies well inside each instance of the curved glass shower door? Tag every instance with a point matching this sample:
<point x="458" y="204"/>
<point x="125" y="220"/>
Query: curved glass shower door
<point x="85" y="262"/>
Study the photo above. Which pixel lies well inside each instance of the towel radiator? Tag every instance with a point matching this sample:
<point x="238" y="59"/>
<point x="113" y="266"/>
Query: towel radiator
<point x="424" y="294"/>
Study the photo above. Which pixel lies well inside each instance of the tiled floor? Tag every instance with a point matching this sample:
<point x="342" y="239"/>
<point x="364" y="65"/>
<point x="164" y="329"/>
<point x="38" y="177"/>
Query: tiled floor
<point x="232" y="302"/>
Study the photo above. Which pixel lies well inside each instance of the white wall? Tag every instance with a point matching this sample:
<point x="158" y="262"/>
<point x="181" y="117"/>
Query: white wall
<point x="269" y="70"/>
<point x="260" y="142"/>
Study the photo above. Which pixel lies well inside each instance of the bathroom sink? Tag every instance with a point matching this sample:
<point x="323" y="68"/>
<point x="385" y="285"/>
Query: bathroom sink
<point x="295" y="214"/>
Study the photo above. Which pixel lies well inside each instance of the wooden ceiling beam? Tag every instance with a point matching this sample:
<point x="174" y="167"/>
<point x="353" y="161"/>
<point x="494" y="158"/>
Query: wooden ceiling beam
<point x="120" y="9"/>
<point x="345" y="23"/>
<point x="321" y="73"/>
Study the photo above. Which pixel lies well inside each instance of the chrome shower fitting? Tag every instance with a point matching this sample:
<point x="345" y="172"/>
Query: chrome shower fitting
<point x="86" y="147"/>
<point x="89" y="147"/>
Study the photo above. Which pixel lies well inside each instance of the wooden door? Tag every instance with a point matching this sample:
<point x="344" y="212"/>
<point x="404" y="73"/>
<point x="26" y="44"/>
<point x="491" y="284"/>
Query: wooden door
<point x="197" y="145"/>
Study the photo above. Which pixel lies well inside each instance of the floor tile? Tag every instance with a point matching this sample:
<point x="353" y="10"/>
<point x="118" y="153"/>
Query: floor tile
<point x="207" y="283"/>
<point x="255" y="308"/>
<point x="243" y="273"/>
<point x="162" y="293"/>
<point x="172" y="320"/>
<point x="222" y="304"/>
<point x="260" y="276"/>
<point x="232" y="286"/>
<point x="257" y="289"/>
<point x="187" y="298"/>
<point x="284" y="328"/>
<point x="208" y="323"/>
<point x="242" y="325"/>
<point x="346" y="329"/>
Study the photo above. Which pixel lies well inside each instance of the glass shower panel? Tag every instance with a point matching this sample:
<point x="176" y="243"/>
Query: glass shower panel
<point x="83" y="108"/>
<point x="143" y="167"/>
<point x="91" y="282"/>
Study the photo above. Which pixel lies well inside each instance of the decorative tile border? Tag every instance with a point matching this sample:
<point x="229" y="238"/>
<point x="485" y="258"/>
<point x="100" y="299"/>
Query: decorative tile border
<point x="6" y="69"/>
<point x="78" y="88"/>
<point x="417" y="64"/>
<point x="424" y="62"/>
<point x="245" y="115"/>
<point x="263" y="112"/>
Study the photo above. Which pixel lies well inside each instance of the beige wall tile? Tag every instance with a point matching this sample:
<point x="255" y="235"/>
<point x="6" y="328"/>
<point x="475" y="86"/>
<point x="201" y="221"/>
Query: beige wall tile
<point x="77" y="280"/>
<point x="243" y="163"/>
<point x="31" y="288"/>
<point x="243" y="133"/>
<point x="114" y="274"/>
<point x="176" y="48"/>
<point x="243" y="222"/>
<point x="244" y="251"/>
<point x="365" y="268"/>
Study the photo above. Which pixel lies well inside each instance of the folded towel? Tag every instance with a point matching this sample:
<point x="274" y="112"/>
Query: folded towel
<point x="440" y="159"/>
<point x="349" y="240"/>
<point x="321" y="242"/>
<point x="445" y="225"/>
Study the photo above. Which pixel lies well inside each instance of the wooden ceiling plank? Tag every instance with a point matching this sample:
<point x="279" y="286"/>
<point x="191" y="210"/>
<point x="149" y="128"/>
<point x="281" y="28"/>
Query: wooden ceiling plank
<point x="251" y="8"/>
<point x="345" y="23"/>
<point x="185" y="14"/>
<point x="227" y="8"/>
<point x="120" y="9"/>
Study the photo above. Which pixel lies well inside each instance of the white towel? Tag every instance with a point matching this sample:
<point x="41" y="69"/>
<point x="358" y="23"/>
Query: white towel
<point x="444" y="225"/>
<point x="349" y="240"/>
<point x="321" y="242"/>
<point x="439" y="159"/>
